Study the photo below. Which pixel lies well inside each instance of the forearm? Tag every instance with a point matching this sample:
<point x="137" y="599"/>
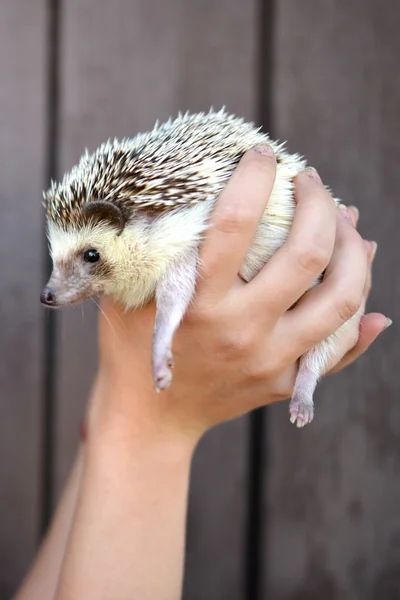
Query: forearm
<point x="41" y="581"/>
<point x="127" y="540"/>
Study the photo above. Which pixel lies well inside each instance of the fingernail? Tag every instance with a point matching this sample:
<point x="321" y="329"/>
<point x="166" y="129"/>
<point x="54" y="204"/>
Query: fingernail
<point x="312" y="173"/>
<point x="388" y="323"/>
<point x="264" y="149"/>
<point x="374" y="247"/>
<point x="344" y="213"/>
<point x="355" y="210"/>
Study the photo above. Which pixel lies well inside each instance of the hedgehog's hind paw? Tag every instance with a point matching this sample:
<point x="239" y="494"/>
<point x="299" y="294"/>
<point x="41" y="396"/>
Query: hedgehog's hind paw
<point x="162" y="364"/>
<point x="301" y="406"/>
<point x="301" y="411"/>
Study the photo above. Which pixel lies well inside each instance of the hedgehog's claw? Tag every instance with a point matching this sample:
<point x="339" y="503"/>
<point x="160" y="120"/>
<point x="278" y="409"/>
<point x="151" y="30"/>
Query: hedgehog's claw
<point x="301" y="411"/>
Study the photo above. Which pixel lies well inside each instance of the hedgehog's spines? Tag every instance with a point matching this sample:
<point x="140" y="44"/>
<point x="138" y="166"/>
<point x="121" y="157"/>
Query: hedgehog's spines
<point x="166" y="167"/>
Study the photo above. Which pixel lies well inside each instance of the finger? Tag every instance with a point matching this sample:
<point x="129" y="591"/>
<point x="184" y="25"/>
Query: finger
<point x="300" y="261"/>
<point x="368" y="279"/>
<point x="371" y="251"/>
<point x="353" y="351"/>
<point x="371" y="326"/>
<point x="347" y="343"/>
<point x="326" y="307"/>
<point x="234" y="221"/>
<point x="354" y="214"/>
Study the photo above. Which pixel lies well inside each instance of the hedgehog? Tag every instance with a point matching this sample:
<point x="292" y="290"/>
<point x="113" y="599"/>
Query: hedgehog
<point x="128" y="220"/>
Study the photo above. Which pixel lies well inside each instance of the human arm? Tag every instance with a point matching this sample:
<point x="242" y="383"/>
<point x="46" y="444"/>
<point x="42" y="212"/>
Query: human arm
<point x="41" y="581"/>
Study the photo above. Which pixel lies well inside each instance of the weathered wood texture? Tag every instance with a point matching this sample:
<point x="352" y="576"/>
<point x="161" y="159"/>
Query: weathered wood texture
<point x="124" y="65"/>
<point x="22" y="165"/>
<point x="332" y="491"/>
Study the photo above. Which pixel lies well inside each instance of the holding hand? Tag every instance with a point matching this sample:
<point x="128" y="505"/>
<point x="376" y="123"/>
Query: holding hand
<point x="239" y="344"/>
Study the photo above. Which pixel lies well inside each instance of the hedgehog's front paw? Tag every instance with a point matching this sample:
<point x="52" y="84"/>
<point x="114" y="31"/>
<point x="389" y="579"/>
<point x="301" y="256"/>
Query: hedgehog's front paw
<point x="301" y="411"/>
<point x="162" y="365"/>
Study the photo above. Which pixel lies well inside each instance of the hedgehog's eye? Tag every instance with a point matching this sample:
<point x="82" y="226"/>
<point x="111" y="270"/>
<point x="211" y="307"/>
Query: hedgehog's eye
<point x="91" y="256"/>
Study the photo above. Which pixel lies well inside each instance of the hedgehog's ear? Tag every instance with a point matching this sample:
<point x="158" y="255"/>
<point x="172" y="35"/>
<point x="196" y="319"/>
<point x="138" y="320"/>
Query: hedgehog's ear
<point x="103" y="211"/>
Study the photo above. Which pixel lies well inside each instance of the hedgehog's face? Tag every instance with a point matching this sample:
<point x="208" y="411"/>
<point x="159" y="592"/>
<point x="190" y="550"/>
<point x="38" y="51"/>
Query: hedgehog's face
<point x="83" y="264"/>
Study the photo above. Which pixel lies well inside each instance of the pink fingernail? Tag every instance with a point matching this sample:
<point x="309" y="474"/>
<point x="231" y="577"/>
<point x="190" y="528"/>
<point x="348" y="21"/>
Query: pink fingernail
<point x="312" y="173"/>
<point x="264" y="149"/>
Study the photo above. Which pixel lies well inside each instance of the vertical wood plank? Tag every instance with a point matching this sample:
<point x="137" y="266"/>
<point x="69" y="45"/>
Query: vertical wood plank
<point x="219" y="50"/>
<point x="22" y="166"/>
<point x="332" y="491"/>
<point x="126" y="64"/>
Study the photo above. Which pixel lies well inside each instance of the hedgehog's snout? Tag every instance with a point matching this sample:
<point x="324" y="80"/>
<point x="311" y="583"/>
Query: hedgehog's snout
<point x="59" y="293"/>
<point x="67" y="285"/>
<point x="48" y="297"/>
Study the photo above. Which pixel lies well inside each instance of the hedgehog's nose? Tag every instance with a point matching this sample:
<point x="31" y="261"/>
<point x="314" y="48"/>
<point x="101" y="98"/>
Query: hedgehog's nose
<point x="48" y="297"/>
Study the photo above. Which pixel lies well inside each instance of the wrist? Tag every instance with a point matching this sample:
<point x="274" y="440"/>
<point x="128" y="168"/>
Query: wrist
<point x="135" y="481"/>
<point x="129" y="412"/>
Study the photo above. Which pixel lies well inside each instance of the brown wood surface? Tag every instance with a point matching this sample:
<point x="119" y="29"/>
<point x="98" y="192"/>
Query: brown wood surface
<point x="22" y="165"/>
<point x="332" y="490"/>
<point x="124" y="65"/>
<point x="331" y="517"/>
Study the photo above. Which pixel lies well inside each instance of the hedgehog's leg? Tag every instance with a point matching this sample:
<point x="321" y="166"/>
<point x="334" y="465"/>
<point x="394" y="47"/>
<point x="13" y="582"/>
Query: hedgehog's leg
<point x="312" y="363"/>
<point x="173" y="296"/>
<point x="312" y="366"/>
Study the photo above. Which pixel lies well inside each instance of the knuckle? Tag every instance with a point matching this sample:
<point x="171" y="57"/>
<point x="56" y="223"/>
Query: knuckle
<point x="236" y="345"/>
<point x="314" y="257"/>
<point x="235" y="218"/>
<point x="348" y="306"/>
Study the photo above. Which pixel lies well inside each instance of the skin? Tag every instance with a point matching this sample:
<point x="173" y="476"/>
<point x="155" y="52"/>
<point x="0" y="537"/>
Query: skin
<point x="119" y="531"/>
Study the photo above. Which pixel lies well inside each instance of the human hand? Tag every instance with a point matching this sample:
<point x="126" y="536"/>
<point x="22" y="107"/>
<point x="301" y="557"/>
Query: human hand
<point x="239" y="344"/>
<point x="357" y="340"/>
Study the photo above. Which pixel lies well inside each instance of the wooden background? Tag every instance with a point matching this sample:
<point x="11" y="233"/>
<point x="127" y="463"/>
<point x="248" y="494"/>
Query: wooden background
<point x="275" y="513"/>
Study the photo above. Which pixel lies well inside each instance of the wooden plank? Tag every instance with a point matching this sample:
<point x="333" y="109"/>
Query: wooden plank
<point x="22" y="165"/>
<point x="215" y="549"/>
<point x="126" y="64"/>
<point x="332" y="491"/>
